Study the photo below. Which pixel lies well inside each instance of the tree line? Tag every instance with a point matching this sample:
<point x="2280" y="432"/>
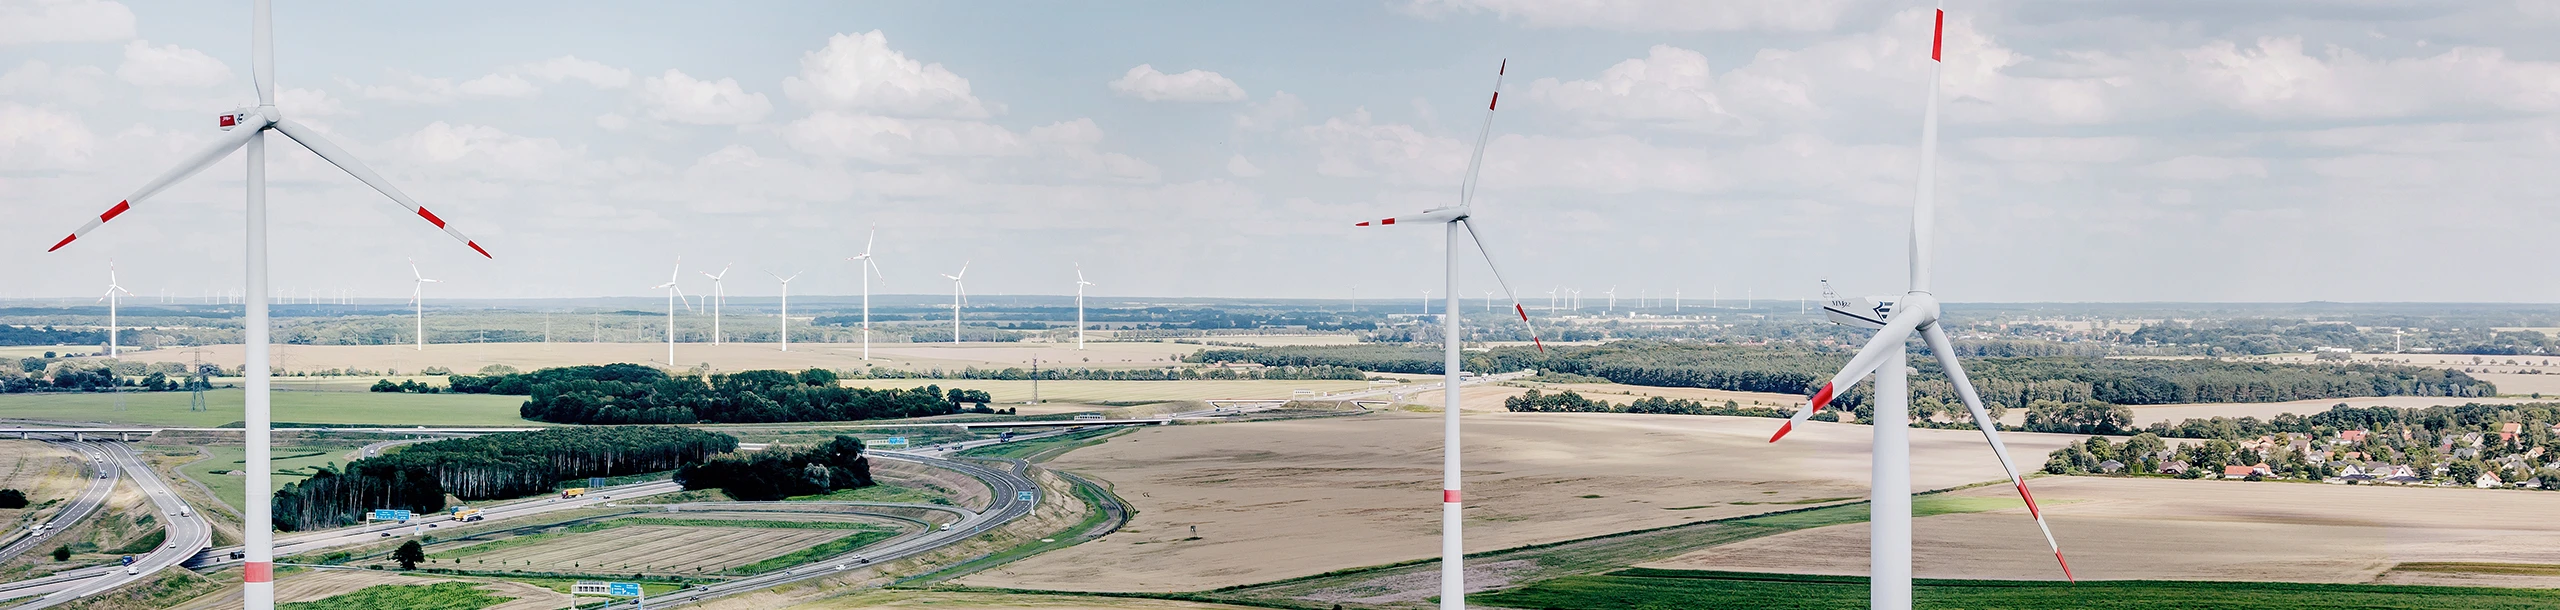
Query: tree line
<point x="778" y="472"/>
<point x="2004" y="383"/>
<point x="634" y="394"/>
<point x="1569" y="401"/>
<point x="487" y="467"/>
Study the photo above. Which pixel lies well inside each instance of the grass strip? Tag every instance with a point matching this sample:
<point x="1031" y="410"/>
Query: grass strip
<point x="438" y="596"/>
<point x="830" y="548"/>
<point x="1650" y="589"/>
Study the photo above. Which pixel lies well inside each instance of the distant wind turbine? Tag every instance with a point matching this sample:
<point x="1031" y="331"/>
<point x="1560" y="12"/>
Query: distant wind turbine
<point x="718" y="296"/>
<point x="1080" y="284"/>
<point x="418" y="299"/>
<point x="869" y="267"/>
<point x="786" y="307"/>
<point x="959" y="296"/>
<point x="113" y="350"/>
<point x="674" y="293"/>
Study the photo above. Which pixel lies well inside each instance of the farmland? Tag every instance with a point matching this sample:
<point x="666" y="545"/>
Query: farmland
<point x="291" y="461"/>
<point x="695" y="544"/>
<point x="1280" y="499"/>
<point x="225" y="406"/>
<point x="2207" y="530"/>
<point x="1643" y="589"/>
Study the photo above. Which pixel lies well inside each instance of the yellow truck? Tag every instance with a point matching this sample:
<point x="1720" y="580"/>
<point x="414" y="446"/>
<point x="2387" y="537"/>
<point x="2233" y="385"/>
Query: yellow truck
<point x="467" y="514"/>
<point x="572" y="492"/>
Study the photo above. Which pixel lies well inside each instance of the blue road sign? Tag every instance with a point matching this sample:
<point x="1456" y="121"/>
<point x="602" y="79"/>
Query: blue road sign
<point x="1025" y="496"/>
<point x="899" y="441"/>
<point x="623" y="589"/>
<point x="595" y="481"/>
<point x="128" y="560"/>
<point x="390" y="514"/>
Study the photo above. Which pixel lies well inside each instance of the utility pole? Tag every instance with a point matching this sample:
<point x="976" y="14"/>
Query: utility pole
<point x="1035" y="380"/>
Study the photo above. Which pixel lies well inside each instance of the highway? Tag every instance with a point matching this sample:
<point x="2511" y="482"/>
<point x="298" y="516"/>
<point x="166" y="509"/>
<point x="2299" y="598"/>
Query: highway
<point x="354" y="535"/>
<point x="186" y="535"/>
<point x="88" y="501"/>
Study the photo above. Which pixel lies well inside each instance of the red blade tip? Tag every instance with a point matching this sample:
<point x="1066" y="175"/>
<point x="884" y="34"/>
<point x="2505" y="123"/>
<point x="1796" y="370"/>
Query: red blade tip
<point x="66" y="240"/>
<point x="475" y="247"/>
<point x="2066" y="567"/>
<point x="1361" y="224"/>
<point x="1938" y="35"/>
<point x="1783" y="429"/>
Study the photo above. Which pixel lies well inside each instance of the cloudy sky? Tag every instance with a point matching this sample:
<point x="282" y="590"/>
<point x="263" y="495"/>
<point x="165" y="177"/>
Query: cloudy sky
<point x="2093" y="151"/>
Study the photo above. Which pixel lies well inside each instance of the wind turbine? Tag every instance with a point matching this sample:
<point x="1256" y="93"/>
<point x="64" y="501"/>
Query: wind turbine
<point x="246" y="128"/>
<point x="674" y="293"/>
<point x="1426" y="301"/>
<point x="959" y="296"/>
<point x="1895" y="321"/>
<point x="418" y="298"/>
<point x="718" y="296"/>
<point x="1080" y="284"/>
<point x="1456" y="218"/>
<point x="869" y="267"/>
<point x="1613" y="299"/>
<point x="113" y="351"/>
<point x="786" y="306"/>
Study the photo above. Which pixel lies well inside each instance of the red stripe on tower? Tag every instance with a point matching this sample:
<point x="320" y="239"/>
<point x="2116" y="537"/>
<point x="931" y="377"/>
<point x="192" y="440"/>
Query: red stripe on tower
<point x="113" y="212"/>
<point x="1938" y="36"/>
<point x="1449" y="496"/>
<point x="66" y="240"/>
<point x="430" y="216"/>
<point x="258" y="571"/>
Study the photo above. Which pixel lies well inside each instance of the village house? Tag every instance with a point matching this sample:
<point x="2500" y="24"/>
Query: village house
<point x="2489" y="480"/>
<point x="2351" y="436"/>
<point x="2507" y="432"/>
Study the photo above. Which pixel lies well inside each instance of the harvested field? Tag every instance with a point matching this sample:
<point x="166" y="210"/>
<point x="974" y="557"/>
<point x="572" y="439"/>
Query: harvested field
<point x="2170" y="529"/>
<point x="42" y="472"/>
<point x="316" y="585"/>
<point x="1280" y="499"/>
<point x="1489" y="398"/>
<point x="941" y="600"/>
<point x="2144" y="415"/>
<point x="468" y="357"/>
<point x="1120" y="391"/>
<point x="224" y="407"/>
<point x="676" y="543"/>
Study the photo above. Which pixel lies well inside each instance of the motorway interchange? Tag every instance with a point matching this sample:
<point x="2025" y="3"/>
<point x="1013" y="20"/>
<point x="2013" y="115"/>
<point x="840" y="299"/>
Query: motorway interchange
<point x="190" y="536"/>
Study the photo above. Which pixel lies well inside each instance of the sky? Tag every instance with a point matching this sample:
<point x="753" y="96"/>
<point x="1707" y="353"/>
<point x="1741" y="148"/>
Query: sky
<point x="2142" y="150"/>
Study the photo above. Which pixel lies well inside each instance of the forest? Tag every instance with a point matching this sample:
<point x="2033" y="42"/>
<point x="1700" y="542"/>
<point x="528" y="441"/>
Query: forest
<point x="488" y="467"/>
<point x="634" y="394"/>
<point x="779" y="472"/>
<point x="2004" y="383"/>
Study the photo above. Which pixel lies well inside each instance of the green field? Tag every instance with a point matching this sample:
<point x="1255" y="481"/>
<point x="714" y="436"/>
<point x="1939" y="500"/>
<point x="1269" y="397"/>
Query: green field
<point x="1041" y="449"/>
<point x="438" y="596"/>
<point x="879" y="492"/>
<point x="1646" y="589"/>
<point x="290" y="458"/>
<point x="224" y="407"/>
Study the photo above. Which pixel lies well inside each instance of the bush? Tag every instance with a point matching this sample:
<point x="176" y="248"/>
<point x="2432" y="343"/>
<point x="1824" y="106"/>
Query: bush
<point x="11" y="498"/>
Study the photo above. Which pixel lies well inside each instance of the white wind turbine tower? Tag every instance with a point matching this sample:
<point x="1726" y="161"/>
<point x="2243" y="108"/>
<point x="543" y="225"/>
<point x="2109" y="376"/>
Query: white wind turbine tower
<point x="1453" y="219"/>
<point x="246" y="128"/>
<point x="1080" y="284"/>
<point x="1613" y="299"/>
<point x="869" y="267"/>
<point x="113" y="349"/>
<point x="674" y="293"/>
<point x="418" y="299"/>
<point x="959" y="296"/>
<point x="718" y="296"/>
<point x="1895" y="321"/>
<point x="786" y="307"/>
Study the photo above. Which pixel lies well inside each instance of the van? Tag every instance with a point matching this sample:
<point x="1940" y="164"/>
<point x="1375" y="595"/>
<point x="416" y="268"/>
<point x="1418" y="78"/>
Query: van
<point x="183" y="511"/>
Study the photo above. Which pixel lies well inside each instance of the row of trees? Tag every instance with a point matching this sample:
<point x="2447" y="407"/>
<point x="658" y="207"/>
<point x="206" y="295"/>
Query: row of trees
<point x="488" y="467"/>
<point x="779" y="473"/>
<point x="87" y="375"/>
<point x="1569" y="401"/>
<point x="633" y="394"/>
<point x="2004" y="383"/>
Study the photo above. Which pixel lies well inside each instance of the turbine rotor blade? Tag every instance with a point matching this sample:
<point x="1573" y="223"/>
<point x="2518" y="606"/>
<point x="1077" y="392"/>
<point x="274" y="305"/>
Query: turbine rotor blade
<point x="205" y="157"/>
<point x="1475" y="162"/>
<point x="262" y="54"/>
<point x="1945" y="351"/>
<point x="339" y="157"/>
<point x="1474" y="236"/>
<point x="1906" y="319"/>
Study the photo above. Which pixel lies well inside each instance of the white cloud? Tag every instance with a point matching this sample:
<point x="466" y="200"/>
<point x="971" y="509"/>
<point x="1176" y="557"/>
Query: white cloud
<point x="570" y="67"/>
<point x="1079" y="132"/>
<point x="170" y="66"/>
<point x="1268" y="114"/>
<point x="38" y="80"/>
<point x="676" y="97"/>
<point x="890" y="140"/>
<point x="1654" y="15"/>
<point x="1357" y="147"/>
<point x="497" y="85"/>
<point x="1242" y="168"/>
<point x="2276" y="79"/>
<point x="1670" y="86"/>
<point x="1145" y="83"/>
<point x="2203" y="168"/>
<point x="859" y="72"/>
<point x="302" y="103"/>
<point x="490" y="153"/>
<point x="33" y="138"/>
<point x="41" y="21"/>
<point x="612" y="121"/>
